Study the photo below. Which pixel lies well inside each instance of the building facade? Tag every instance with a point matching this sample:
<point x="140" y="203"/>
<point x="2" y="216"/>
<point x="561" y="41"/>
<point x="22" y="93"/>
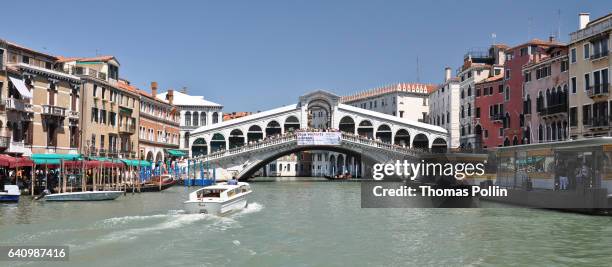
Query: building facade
<point x="41" y="112"/>
<point x="110" y="107"/>
<point x="195" y="112"/>
<point x="516" y="57"/>
<point x="489" y="110"/>
<point x="159" y="126"/>
<point x="545" y="97"/>
<point x="404" y="100"/>
<point x="444" y="108"/>
<point x="477" y="66"/>
<point x="589" y="76"/>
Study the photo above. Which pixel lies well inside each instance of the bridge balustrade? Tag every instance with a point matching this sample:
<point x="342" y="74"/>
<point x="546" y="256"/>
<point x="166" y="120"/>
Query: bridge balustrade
<point x="291" y="137"/>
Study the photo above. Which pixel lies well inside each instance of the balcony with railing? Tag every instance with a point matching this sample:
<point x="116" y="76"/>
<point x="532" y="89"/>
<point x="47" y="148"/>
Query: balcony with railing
<point x="598" y="90"/>
<point x="592" y="30"/>
<point x="51" y="110"/>
<point x="554" y="110"/>
<point x="600" y="55"/>
<point x="88" y="72"/>
<point x="127" y="128"/>
<point x="18" y="105"/>
<point x="73" y="114"/>
<point x="594" y="123"/>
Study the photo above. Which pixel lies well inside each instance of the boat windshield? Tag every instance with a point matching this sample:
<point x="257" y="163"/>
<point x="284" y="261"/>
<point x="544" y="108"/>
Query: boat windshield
<point x="209" y="193"/>
<point x="245" y="188"/>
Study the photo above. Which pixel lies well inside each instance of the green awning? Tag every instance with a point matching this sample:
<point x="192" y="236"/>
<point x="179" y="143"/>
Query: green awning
<point x="104" y="159"/>
<point x="136" y="163"/>
<point x="176" y="152"/>
<point x="54" y="159"/>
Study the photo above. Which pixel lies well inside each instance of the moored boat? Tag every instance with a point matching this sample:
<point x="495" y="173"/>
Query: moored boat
<point x="84" y="196"/>
<point x="158" y="183"/>
<point x="218" y="199"/>
<point x="10" y="193"/>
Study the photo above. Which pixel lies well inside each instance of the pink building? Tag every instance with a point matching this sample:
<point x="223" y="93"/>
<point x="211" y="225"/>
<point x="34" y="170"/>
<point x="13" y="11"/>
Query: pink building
<point x="545" y="97"/>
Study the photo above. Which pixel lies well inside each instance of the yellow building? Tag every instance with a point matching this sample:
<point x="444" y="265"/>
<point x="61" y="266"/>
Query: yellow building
<point x="41" y="112"/>
<point x="110" y="107"/>
<point x="589" y="78"/>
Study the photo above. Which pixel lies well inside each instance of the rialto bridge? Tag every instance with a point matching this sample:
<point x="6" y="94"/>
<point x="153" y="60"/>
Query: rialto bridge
<point x="240" y="147"/>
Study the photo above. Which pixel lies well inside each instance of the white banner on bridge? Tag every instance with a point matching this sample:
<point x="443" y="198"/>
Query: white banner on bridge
<point x="318" y="138"/>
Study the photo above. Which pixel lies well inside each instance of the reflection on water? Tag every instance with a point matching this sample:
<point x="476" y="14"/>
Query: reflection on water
<point x="304" y="222"/>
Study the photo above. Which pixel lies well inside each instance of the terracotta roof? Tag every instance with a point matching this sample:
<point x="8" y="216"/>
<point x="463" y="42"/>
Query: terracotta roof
<point x="85" y="59"/>
<point x="501" y="46"/>
<point x="492" y="79"/>
<point x="29" y="50"/>
<point x="126" y="86"/>
<point x="539" y="42"/>
<point x="398" y="87"/>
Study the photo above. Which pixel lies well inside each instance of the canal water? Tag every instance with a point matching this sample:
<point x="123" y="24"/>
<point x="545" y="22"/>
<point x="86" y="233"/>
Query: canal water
<point x="301" y="222"/>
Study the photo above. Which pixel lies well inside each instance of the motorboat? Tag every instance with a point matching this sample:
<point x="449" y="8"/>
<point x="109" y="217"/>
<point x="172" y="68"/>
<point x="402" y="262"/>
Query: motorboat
<point x="84" y="196"/>
<point x="10" y="193"/>
<point x="154" y="185"/>
<point x="218" y="199"/>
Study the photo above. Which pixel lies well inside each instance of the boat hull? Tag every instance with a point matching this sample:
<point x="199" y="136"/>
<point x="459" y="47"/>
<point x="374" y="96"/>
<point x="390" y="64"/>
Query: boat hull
<point x="9" y="198"/>
<point x="9" y="193"/>
<point x="156" y="188"/>
<point x="217" y="208"/>
<point x="84" y="196"/>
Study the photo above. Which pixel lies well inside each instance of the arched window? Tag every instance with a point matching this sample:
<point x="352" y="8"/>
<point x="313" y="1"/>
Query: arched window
<point x="215" y="118"/>
<point x="196" y="118"/>
<point x="187" y="118"/>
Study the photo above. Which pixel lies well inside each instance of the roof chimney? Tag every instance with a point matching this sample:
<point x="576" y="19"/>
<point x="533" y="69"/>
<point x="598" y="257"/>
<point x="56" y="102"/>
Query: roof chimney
<point x="154" y="89"/>
<point x="551" y="38"/>
<point x="447" y="74"/>
<point x="170" y="96"/>
<point x="583" y="20"/>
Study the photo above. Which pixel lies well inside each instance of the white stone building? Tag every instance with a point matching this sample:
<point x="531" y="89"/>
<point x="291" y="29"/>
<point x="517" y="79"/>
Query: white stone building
<point x="404" y="100"/>
<point x="444" y="107"/>
<point x="195" y="112"/>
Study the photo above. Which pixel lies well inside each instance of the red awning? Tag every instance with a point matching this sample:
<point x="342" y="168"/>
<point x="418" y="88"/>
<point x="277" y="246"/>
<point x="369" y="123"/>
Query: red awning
<point x="90" y="164"/>
<point x="5" y="160"/>
<point x="23" y="162"/>
<point x="15" y="162"/>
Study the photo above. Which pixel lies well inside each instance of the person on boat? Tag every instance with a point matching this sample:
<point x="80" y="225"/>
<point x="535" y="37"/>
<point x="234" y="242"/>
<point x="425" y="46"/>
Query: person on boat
<point x="43" y="194"/>
<point x="232" y="181"/>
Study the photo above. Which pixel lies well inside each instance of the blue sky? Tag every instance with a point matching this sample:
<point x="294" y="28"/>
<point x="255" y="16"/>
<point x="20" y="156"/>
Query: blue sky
<point x="256" y="55"/>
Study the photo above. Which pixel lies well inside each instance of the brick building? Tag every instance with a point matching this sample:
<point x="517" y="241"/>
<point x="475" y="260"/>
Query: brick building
<point x="488" y="114"/>
<point x="516" y="58"/>
<point x="159" y="129"/>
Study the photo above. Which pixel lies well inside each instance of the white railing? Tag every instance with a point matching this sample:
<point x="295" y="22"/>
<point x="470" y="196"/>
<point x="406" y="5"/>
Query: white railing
<point x="54" y="110"/>
<point x="272" y="141"/>
<point x="292" y="137"/>
<point x="592" y="30"/>
<point x="18" y="104"/>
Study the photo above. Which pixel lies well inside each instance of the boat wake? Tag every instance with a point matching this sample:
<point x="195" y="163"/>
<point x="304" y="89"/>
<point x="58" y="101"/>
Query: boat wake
<point x="133" y="225"/>
<point x="251" y="208"/>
